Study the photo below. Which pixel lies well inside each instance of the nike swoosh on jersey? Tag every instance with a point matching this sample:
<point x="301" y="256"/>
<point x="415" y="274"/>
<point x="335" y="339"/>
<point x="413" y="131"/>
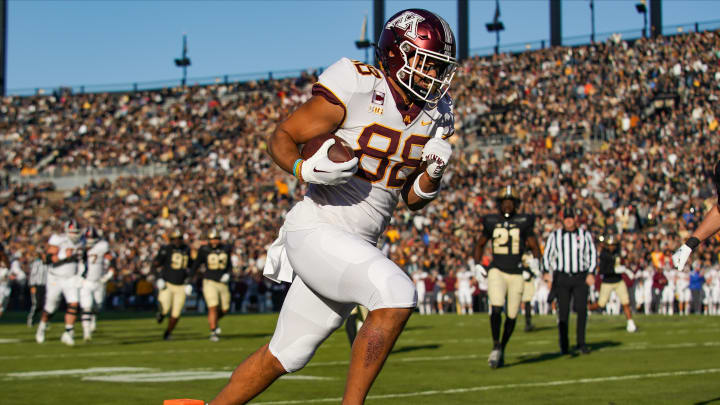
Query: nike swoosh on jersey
<point x="425" y="123"/>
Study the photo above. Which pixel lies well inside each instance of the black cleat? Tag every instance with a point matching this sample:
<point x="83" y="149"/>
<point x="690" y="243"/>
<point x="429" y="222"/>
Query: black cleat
<point x="495" y="359"/>
<point x="583" y="349"/>
<point x="166" y="335"/>
<point x="529" y="327"/>
<point x="159" y="317"/>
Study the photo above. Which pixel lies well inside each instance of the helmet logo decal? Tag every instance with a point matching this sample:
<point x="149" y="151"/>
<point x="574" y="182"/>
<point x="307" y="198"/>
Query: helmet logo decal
<point x="407" y="21"/>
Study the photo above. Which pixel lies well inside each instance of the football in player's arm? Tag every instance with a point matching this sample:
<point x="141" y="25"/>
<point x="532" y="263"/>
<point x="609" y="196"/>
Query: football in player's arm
<point x="173" y="280"/>
<point x="510" y="235"/>
<point x="709" y="226"/>
<point x="396" y="119"/>
<point x="215" y="258"/>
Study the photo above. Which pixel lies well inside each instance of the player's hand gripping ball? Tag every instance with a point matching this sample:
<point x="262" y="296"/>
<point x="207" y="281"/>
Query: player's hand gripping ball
<point x="339" y="152"/>
<point x="327" y="160"/>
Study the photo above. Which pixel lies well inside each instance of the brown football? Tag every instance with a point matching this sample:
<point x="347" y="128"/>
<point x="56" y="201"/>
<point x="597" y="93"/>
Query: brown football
<point x="339" y="152"/>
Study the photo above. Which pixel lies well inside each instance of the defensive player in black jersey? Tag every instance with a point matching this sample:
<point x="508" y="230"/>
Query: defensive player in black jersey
<point x="610" y="268"/>
<point x="173" y="280"/>
<point x="511" y="234"/>
<point x="215" y="257"/>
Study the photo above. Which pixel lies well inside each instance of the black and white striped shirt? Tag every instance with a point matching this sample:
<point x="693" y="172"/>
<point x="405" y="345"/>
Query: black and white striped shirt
<point x="38" y="273"/>
<point x="570" y="252"/>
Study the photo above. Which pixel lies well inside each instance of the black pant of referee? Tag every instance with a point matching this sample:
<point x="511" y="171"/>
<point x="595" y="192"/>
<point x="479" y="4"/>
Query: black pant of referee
<point x="567" y="286"/>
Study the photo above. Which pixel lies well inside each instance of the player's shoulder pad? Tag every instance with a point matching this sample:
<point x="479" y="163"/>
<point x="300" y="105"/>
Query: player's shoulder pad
<point x="491" y="219"/>
<point x="346" y="77"/>
<point x="525" y="219"/>
<point x="102" y="245"/>
<point x="55" y="239"/>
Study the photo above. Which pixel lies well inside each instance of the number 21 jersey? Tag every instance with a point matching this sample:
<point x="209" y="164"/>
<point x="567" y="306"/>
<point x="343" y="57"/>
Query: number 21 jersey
<point x="508" y="236"/>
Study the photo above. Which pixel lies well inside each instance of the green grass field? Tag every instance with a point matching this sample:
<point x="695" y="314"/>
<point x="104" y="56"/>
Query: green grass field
<point x="438" y="360"/>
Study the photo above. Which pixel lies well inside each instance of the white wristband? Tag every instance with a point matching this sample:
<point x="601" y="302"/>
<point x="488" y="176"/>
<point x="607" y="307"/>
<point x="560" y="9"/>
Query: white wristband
<point x="422" y="194"/>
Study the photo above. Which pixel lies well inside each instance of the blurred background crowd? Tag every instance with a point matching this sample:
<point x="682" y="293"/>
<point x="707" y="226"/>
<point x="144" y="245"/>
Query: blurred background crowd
<point x="624" y="131"/>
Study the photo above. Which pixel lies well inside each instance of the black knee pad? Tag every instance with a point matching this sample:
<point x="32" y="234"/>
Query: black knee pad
<point x="496" y="310"/>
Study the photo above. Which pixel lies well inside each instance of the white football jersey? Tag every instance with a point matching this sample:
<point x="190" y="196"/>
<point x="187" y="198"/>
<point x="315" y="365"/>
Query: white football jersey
<point x="463" y="279"/>
<point x="419" y="277"/>
<point x="714" y="276"/>
<point x="670" y="275"/>
<point x="96" y="263"/>
<point x="682" y="280"/>
<point x="388" y="143"/>
<point x="63" y="243"/>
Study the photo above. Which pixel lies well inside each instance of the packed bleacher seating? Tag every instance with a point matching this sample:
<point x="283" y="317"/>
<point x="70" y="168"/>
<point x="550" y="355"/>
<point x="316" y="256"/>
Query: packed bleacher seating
<point x="626" y="131"/>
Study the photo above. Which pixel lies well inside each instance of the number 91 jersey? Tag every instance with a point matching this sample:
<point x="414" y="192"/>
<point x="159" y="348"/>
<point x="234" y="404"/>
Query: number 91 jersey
<point x="388" y="139"/>
<point x="174" y="261"/>
<point x="508" y="236"/>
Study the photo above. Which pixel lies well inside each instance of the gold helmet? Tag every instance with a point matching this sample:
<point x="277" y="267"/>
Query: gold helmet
<point x="610" y="240"/>
<point x="508" y="193"/>
<point x="176" y="234"/>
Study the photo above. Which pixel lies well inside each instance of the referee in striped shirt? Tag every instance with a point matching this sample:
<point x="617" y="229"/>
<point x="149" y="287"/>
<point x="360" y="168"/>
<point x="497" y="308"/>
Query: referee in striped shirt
<point x="37" y="281"/>
<point x="570" y="254"/>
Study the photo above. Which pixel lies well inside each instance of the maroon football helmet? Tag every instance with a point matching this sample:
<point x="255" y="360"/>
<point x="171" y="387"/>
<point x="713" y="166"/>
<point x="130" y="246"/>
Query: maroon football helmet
<point x="421" y="33"/>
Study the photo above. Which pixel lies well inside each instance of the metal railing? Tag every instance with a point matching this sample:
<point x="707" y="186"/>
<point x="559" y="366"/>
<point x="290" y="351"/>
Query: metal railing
<point x="160" y="84"/>
<point x="576" y="40"/>
<point x="240" y="77"/>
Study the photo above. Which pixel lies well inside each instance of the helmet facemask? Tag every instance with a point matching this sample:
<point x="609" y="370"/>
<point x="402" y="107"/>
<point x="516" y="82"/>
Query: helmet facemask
<point x="412" y="77"/>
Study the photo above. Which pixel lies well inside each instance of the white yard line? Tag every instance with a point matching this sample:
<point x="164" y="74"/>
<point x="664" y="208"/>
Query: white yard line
<point x="509" y="386"/>
<point x="75" y="371"/>
<point x="174" y="376"/>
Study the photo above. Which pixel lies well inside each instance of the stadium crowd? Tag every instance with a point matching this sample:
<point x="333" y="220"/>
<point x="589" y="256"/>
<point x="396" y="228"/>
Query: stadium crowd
<point x="627" y="131"/>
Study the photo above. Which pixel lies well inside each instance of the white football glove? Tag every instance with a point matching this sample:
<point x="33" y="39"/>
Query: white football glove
<point x="437" y="153"/>
<point x="526" y="275"/>
<point x="681" y="256"/>
<point x="225" y="278"/>
<point x="107" y="276"/>
<point x="534" y="265"/>
<point x="188" y="289"/>
<point x="160" y="283"/>
<point x="479" y="269"/>
<point x="319" y="169"/>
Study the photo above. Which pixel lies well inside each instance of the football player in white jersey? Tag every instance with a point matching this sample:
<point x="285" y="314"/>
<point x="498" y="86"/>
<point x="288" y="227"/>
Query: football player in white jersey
<point x="714" y="276"/>
<point x="96" y="272"/>
<point x="667" y="299"/>
<point x="419" y="277"/>
<point x="682" y="289"/>
<point x="647" y="289"/>
<point x="464" y="290"/>
<point x="63" y="280"/>
<point x="396" y="118"/>
<point x="7" y="276"/>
